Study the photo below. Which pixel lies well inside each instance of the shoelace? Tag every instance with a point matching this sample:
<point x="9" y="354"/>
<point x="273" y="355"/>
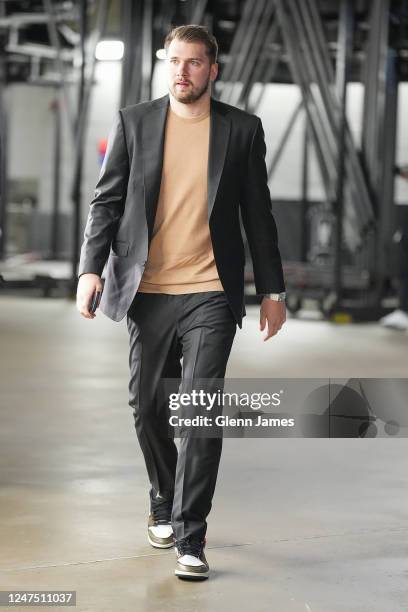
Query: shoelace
<point x="161" y="512"/>
<point x="190" y="546"/>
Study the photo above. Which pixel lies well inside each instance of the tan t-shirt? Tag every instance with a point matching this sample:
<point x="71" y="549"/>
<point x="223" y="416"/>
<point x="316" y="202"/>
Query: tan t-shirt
<point x="181" y="258"/>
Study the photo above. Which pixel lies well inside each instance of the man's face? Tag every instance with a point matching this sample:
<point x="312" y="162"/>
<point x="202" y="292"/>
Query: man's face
<point x="189" y="71"/>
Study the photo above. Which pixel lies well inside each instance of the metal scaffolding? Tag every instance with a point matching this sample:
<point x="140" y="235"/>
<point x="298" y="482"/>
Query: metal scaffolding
<point x="358" y="185"/>
<point x="379" y="132"/>
<point x="137" y="63"/>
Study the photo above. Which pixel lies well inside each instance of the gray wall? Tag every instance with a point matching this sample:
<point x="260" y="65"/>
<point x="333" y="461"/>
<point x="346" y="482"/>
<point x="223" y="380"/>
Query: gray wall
<point x="31" y="148"/>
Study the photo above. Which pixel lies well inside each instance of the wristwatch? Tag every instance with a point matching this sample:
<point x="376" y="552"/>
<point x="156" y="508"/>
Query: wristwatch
<point x="277" y="297"/>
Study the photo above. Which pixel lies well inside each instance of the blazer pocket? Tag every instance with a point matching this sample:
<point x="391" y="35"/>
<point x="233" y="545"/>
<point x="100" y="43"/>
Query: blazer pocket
<point x="120" y="248"/>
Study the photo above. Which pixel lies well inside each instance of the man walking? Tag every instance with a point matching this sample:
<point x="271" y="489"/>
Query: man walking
<point x="165" y="218"/>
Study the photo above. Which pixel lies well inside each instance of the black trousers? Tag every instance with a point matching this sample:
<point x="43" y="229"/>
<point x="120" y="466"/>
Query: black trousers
<point x="198" y="328"/>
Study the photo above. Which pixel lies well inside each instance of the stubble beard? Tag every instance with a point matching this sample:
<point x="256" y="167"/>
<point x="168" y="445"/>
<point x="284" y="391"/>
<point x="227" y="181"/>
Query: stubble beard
<point x="190" y="96"/>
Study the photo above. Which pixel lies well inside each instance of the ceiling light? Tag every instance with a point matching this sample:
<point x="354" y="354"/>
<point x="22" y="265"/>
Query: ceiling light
<point x="109" y="50"/>
<point x="161" y="54"/>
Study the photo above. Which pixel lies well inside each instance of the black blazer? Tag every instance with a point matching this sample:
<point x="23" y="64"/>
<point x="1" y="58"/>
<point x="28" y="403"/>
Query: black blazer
<point x="121" y="217"/>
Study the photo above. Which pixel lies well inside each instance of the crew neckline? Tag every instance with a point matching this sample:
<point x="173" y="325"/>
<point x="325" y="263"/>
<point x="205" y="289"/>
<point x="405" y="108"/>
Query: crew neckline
<point x="189" y="119"/>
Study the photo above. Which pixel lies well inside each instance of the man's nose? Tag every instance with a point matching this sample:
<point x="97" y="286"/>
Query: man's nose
<point x="182" y="70"/>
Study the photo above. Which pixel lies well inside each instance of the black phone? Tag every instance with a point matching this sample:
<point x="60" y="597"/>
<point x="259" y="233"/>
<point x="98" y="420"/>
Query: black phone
<point x="95" y="301"/>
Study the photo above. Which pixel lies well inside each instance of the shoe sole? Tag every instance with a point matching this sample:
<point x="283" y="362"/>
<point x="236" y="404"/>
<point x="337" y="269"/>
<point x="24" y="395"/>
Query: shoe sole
<point x="191" y="575"/>
<point x="156" y="545"/>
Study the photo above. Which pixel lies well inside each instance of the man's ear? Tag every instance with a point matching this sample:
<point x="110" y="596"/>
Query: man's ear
<point x="214" y="71"/>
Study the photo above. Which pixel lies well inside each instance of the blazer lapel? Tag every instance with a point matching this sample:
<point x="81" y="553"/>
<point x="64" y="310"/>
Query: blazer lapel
<point x="220" y="127"/>
<point x="153" y="131"/>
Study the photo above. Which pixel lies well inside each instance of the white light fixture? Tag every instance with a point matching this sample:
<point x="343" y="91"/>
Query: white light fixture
<point x="161" y="54"/>
<point x="109" y="50"/>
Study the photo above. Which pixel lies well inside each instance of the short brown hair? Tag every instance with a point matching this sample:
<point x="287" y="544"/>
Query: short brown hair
<point x="195" y="34"/>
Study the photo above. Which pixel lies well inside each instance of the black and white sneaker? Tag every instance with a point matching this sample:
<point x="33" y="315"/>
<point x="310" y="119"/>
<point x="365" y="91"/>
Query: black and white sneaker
<point x="159" y="528"/>
<point x="191" y="561"/>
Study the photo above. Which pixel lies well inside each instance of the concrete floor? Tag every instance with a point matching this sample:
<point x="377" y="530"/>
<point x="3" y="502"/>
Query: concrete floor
<point x="297" y="525"/>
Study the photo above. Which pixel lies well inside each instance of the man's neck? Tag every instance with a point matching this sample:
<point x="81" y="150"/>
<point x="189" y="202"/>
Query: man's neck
<point x="196" y="109"/>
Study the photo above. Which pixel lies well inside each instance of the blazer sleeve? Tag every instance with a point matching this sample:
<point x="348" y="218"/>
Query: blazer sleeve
<point x="258" y="220"/>
<point x="107" y="205"/>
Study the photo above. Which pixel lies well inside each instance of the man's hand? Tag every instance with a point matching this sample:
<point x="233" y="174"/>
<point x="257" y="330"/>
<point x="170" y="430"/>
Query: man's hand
<point x="87" y="284"/>
<point x="275" y="313"/>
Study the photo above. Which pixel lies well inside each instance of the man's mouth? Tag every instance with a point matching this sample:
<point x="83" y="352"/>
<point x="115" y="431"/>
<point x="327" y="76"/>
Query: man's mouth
<point x="182" y="83"/>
